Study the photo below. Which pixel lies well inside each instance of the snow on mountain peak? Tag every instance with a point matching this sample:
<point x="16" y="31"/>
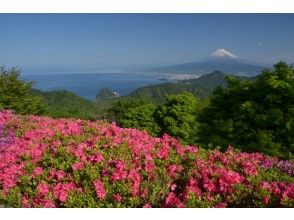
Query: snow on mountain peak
<point x="222" y="53"/>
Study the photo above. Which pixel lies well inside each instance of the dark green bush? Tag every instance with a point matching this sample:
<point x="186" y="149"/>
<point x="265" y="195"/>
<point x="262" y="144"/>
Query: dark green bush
<point x="254" y="115"/>
<point x="15" y="93"/>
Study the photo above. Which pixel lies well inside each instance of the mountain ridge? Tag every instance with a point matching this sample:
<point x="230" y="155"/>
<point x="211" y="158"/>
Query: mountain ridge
<point x="201" y="87"/>
<point x="223" y="53"/>
<point x="221" y="60"/>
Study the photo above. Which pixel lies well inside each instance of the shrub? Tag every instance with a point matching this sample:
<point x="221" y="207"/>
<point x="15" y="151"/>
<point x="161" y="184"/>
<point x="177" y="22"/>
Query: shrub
<point x="254" y="115"/>
<point x="77" y="163"/>
<point x="177" y="117"/>
<point x="16" y="94"/>
<point x="134" y="113"/>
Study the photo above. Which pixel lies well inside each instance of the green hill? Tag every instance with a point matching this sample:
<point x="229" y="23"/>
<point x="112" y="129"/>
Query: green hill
<point x="67" y="104"/>
<point x="201" y="87"/>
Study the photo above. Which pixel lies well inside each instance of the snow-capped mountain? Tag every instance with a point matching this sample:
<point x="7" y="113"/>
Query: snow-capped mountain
<point x="222" y="53"/>
<point x="221" y="60"/>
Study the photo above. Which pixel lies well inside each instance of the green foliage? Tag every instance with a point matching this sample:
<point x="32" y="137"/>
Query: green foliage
<point x="106" y="93"/>
<point x="15" y="94"/>
<point x="67" y="104"/>
<point x="201" y="87"/>
<point x="134" y="113"/>
<point x="254" y="115"/>
<point x="177" y="117"/>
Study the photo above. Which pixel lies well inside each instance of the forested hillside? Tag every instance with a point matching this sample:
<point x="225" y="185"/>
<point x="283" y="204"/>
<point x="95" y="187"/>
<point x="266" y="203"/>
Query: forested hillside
<point x="201" y="87"/>
<point x="67" y="104"/>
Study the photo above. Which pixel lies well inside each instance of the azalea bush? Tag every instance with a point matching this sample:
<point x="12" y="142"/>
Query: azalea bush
<point x="47" y="162"/>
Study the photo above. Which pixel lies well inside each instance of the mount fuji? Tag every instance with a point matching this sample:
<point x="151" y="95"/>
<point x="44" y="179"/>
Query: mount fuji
<point x="221" y="60"/>
<point x="222" y="53"/>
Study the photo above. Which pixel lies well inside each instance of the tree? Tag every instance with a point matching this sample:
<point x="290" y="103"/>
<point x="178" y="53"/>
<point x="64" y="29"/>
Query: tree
<point x="178" y="117"/>
<point x="15" y="93"/>
<point x="134" y="113"/>
<point x="253" y="115"/>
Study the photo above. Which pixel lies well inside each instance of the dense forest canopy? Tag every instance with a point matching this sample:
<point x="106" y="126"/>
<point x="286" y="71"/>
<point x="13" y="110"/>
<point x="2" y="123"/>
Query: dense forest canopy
<point x="254" y="115"/>
<point x="67" y="104"/>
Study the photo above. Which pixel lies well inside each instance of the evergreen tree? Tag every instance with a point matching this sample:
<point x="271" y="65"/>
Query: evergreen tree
<point x="15" y="93"/>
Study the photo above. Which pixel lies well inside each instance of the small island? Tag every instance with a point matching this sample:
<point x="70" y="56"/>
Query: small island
<point x="106" y="93"/>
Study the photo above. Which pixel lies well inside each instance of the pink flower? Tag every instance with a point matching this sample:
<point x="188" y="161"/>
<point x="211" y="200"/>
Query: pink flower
<point x="60" y="174"/>
<point x="25" y="202"/>
<point x="79" y="153"/>
<point x="62" y="196"/>
<point x="117" y="197"/>
<point x="173" y="201"/>
<point x="97" y="158"/>
<point x="8" y="183"/>
<point x="48" y="203"/>
<point x="43" y="189"/>
<point x="209" y="186"/>
<point x="144" y="193"/>
<point x="163" y="153"/>
<point x="191" y="149"/>
<point x="135" y="178"/>
<point x="43" y="202"/>
<point x="61" y="190"/>
<point x="77" y="166"/>
<point x="192" y="187"/>
<point x="265" y="185"/>
<point x="119" y="172"/>
<point x="105" y="172"/>
<point x="132" y="163"/>
<point x="173" y="187"/>
<point x="118" y="175"/>
<point x="266" y="200"/>
<point x="275" y="188"/>
<point x="148" y="156"/>
<point x="38" y="171"/>
<point x="100" y="190"/>
<point x="149" y="167"/>
<point x="36" y="154"/>
<point x="147" y="205"/>
<point x="221" y="205"/>
<point x="173" y="170"/>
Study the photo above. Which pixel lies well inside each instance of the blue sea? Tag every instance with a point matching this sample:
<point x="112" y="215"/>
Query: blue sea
<point x="87" y="85"/>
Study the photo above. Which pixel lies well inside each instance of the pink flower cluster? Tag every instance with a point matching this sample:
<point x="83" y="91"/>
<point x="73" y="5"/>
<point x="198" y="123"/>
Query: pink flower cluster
<point x="76" y="163"/>
<point x="100" y="190"/>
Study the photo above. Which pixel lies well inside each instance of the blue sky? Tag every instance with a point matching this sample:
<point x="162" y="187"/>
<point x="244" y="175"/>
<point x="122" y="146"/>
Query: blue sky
<point x="37" y="39"/>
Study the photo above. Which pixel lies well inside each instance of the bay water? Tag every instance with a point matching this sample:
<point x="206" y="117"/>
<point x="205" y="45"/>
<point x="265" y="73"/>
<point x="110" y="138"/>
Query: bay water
<point x="88" y="85"/>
